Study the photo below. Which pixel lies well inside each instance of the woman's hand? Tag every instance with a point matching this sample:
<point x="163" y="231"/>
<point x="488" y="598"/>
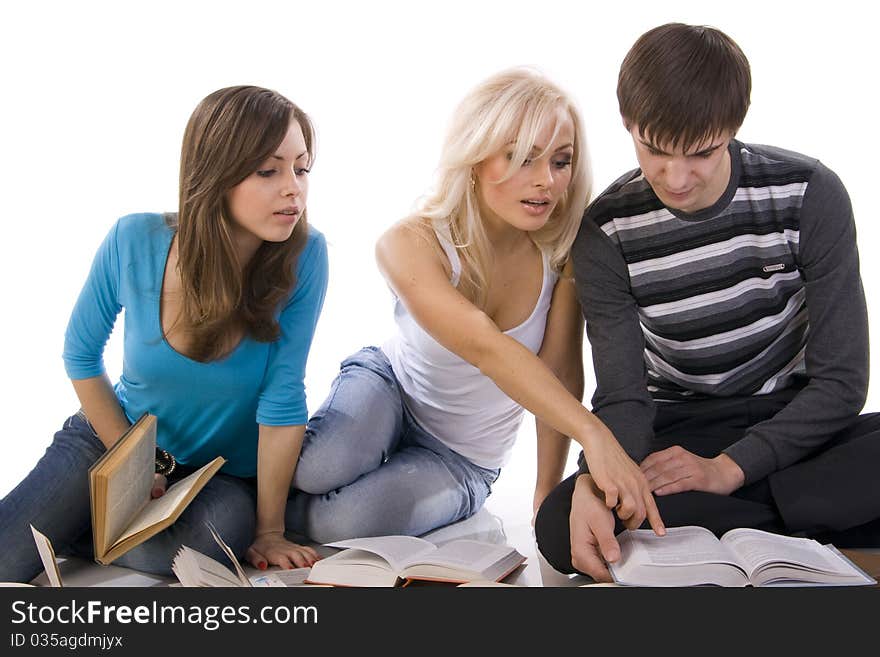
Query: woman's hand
<point x="272" y="549"/>
<point x="624" y="486"/>
<point x="160" y="483"/>
<point x="277" y="452"/>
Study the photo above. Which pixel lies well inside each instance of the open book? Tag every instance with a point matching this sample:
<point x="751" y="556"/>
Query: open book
<point x="391" y="560"/>
<point x="693" y="556"/>
<point x="47" y="556"/>
<point x="196" y="569"/>
<point x="123" y="514"/>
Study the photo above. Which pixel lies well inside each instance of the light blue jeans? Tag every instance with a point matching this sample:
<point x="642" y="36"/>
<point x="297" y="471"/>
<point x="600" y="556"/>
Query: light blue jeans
<point x="54" y="498"/>
<point x="368" y="469"/>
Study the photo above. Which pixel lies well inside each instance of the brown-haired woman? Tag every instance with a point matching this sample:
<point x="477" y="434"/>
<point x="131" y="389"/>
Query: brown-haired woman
<point x="221" y="301"/>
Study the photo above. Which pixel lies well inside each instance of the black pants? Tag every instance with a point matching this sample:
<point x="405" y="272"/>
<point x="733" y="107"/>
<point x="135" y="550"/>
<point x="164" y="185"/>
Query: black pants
<point x="832" y="496"/>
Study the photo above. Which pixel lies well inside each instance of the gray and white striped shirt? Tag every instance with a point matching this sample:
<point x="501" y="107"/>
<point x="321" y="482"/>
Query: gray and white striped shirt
<point x="757" y="293"/>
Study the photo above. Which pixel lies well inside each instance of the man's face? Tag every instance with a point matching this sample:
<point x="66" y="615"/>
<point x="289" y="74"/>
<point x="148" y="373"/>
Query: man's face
<point x="685" y="180"/>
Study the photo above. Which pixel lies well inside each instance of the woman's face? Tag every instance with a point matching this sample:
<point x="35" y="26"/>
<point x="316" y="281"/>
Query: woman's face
<point x="266" y="205"/>
<point x="526" y="200"/>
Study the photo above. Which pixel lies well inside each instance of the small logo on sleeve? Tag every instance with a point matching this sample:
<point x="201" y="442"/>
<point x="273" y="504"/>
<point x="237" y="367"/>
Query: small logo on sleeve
<point x="777" y="267"/>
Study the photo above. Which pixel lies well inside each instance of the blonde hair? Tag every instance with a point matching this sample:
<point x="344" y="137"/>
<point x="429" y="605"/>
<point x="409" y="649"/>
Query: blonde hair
<point x="511" y="106"/>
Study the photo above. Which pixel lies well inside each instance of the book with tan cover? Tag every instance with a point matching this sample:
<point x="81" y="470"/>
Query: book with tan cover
<point x="123" y="513"/>
<point x="394" y="560"/>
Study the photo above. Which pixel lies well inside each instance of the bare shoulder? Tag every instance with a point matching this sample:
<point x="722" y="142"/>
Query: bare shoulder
<point x="407" y="242"/>
<point x="406" y="234"/>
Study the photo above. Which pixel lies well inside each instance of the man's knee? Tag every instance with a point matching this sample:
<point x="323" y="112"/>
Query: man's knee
<point x="552" y="530"/>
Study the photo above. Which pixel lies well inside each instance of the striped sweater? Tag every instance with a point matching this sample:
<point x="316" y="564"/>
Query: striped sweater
<point x="759" y="292"/>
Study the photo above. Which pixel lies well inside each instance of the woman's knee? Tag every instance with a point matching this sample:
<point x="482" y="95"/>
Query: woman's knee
<point x="339" y="447"/>
<point x="326" y="524"/>
<point x="325" y="462"/>
<point x="53" y="497"/>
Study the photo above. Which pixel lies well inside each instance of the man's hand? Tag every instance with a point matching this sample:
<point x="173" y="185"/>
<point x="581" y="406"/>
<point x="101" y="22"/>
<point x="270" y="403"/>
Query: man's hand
<point x="675" y="470"/>
<point x="591" y="524"/>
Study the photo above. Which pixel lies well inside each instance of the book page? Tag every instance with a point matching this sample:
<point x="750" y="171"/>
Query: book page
<point x="242" y="578"/>
<point x="465" y="554"/>
<point x="196" y="569"/>
<point x="128" y="488"/>
<point x="353" y="567"/>
<point x="284" y="578"/>
<point x="398" y="551"/>
<point x="681" y="546"/>
<point x="47" y="556"/>
<point x="160" y="508"/>
<point x="756" y="548"/>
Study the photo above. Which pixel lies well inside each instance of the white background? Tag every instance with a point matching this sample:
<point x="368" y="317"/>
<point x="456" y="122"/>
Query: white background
<point x="95" y="98"/>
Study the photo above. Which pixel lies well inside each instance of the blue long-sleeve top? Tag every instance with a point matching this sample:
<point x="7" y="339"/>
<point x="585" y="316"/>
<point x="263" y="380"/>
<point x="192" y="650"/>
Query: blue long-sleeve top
<point x="203" y="410"/>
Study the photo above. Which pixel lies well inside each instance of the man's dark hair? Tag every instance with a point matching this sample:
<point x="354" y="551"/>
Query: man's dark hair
<point x="683" y="85"/>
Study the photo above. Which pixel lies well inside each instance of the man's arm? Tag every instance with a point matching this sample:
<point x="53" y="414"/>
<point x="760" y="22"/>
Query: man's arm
<point x="621" y="399"/>
<point x="837" y="344"/>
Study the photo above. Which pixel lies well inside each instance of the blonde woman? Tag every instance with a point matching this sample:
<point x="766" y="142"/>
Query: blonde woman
<point x="413" y="434"/>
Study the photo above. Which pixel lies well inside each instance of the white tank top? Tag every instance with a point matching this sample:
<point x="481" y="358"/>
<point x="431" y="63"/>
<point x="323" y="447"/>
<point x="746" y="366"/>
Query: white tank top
<point x="449" y="397"/>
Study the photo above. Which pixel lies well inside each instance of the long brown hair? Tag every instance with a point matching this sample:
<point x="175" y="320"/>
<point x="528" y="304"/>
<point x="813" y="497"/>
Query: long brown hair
<point x="229" y="135"/>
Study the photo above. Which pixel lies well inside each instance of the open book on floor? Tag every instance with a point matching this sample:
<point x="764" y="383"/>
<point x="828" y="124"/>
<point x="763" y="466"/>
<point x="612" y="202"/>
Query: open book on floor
<point x="392" y="560"/>
<point x="693" y="556"/>
<point x="120" y="482"/>
<point x="195" y="569"/>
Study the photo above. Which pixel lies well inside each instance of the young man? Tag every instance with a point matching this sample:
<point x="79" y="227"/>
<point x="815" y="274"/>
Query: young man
<point x="720" y="287"/>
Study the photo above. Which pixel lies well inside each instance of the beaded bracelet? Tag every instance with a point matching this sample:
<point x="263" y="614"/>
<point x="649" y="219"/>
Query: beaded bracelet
<point x="165" y="462"/>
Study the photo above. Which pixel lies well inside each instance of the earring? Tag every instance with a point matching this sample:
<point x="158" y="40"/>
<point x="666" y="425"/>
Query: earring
<point x="473" y="182"/>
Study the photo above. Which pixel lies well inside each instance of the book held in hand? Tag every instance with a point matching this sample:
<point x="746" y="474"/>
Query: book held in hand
<point x="693" y="556"/>
<point x="123" y="513"/>
<point x="393" y="560"/>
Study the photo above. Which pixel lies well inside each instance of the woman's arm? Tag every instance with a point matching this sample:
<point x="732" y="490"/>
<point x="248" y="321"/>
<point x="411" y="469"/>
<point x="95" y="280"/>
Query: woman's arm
<point x="102" y="408"/>
<point x="88" y="329"/>
<point x="106" y="416"/>
<point x="277" y="452"/>
<point x="414" y="271"/>
<point x="562" y="352"/>
<point x="282" y="411"/>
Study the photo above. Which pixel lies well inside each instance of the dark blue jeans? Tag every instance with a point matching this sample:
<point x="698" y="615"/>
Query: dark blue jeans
<point x="832" y="495"/>
<point x="54" y="498"/>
